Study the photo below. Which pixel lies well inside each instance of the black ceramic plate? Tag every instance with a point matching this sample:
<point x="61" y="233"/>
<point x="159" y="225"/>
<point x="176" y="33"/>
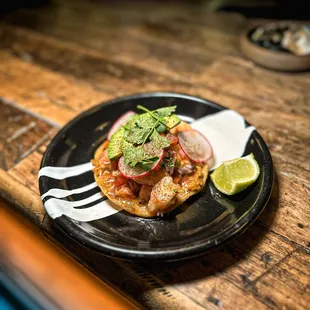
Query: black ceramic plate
<point x="205" y="221"/>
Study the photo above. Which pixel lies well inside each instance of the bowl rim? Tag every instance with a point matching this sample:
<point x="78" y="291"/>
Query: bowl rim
<point x="270" y="52"/>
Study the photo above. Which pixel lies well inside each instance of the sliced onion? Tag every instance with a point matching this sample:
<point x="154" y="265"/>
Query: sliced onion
<point x="122" y="120"/>
<point x="195" y="145"/>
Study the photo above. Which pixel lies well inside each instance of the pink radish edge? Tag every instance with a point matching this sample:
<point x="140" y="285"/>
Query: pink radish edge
<point x="122" y="120"/>
<point x="144" y="174"/>
<point x="207" y="141"/>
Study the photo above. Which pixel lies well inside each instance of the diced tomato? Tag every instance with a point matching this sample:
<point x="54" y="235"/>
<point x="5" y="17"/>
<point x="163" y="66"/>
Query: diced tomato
<point x="120" y="180"/>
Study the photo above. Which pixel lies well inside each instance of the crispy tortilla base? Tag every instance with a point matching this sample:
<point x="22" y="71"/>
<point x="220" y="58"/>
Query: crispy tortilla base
<point x="133" y="206"/>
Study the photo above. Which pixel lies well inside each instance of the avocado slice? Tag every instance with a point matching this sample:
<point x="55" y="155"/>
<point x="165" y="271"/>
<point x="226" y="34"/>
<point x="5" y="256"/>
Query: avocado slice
<point x="172" y="121"/>
<point x="125" y="145"/>
<point x="115" y="149"/>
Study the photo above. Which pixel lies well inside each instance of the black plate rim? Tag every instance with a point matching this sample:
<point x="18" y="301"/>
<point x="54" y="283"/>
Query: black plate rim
<point x="94" y="243"/>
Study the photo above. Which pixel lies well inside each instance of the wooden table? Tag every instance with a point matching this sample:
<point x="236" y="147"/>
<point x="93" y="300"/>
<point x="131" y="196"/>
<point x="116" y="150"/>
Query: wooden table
<point x="59" y="60"/>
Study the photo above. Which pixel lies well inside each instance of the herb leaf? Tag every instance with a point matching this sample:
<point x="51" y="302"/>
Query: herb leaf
<point x="164" y="112"/>
<point x="138" y="129"/>
<point x="159" y="114"/>
<point x="137" y="155"/>
<point x="133" y="155"/>
<point x="158" y="141"/>
<point x="146" y="164"/>
<point x="161" y="128"/>
<point x="170" y="163"/>
<point x="142" y="128"/>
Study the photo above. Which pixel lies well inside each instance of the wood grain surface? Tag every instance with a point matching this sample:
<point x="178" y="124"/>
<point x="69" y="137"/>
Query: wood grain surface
<point x="59" y="60"/>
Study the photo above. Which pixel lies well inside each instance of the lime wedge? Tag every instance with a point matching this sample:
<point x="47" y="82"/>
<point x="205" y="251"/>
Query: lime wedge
<point x="235" y="175"/>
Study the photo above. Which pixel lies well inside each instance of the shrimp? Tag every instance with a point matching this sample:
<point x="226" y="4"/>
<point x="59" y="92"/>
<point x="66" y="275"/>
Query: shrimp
<point x="163" y="194"/>
<point x="125" y="192"/>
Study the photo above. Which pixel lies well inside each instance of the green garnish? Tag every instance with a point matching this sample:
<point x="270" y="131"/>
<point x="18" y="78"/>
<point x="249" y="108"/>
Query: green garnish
<point x="151" y="113"/>
<point x="163" y="112"/>
<point x="144" y="130"/>
<point x="151" y="132"/>
<point x="139" y="128"/>
<point x="158" y="141"/>
<point x="114" y="148"/>
<point x="161" y="128"/>
<point x="137" y="155"/>
<point x="147" y="163"/>
<point x="170" y="163"/>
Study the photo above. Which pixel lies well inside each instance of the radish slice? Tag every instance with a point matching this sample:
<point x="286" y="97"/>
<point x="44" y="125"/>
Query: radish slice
<point x="137" y="172"/>
<point x="195" y="145"/>
<point x="122" y="120"/>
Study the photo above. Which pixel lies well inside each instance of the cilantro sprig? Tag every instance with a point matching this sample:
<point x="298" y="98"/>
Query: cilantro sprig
<point x="144" y="130"/>
<point x="158" y="118"/>
<point x="143" y="127"/>
<point x="160" y="124"/>
<point x="150" y="133"/>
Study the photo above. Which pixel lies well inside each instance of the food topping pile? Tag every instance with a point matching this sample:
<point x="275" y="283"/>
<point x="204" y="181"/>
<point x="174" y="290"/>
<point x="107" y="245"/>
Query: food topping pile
<point x="151" y="158"/>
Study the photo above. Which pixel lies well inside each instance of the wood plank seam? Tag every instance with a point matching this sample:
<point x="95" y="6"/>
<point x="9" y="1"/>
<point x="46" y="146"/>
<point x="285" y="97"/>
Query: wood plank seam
<point x="17" y="193"/>
<point x="250" y="285"/>
<point x="152" y="275"/>
<point x="72" y="46"/>
<point x="153" y="281"/>
<point x="284" y="238"/>
<point x="274" y="266"/>
<point x="30" y="112"/>
<point x="45" y="138"/>
<point x="194" y="50"/>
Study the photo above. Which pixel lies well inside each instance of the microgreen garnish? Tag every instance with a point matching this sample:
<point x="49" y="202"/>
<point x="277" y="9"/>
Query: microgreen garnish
<point x="144" y="130"/>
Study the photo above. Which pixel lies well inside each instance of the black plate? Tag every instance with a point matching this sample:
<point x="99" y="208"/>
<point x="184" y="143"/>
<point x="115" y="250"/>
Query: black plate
<point x="203" y="222"/>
